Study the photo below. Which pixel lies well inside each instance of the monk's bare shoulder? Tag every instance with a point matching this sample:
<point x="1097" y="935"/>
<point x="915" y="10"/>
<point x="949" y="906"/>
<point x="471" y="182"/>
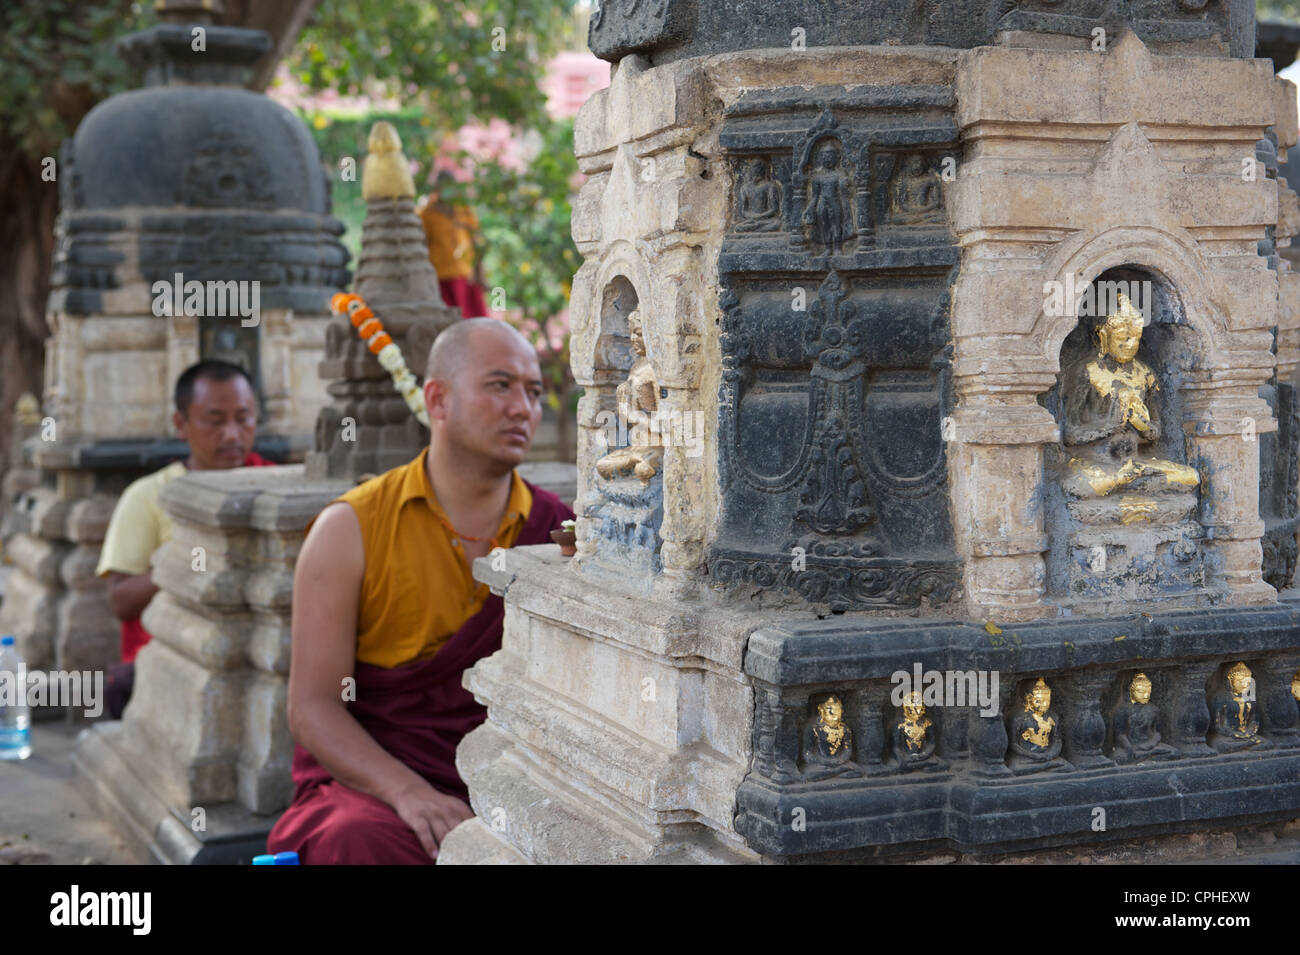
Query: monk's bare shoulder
<point x="334" y="552"/>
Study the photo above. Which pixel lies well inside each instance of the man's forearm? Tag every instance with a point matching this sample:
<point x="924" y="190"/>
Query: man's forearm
<point x="129" y="594"/>
<point x="340" y="744"/>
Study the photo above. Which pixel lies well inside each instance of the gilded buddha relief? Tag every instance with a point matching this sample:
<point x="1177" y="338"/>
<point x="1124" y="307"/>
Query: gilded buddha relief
<point x="1112" y="402"/>
<point x="1124" y="524"/>
<point x="828" y="743"/>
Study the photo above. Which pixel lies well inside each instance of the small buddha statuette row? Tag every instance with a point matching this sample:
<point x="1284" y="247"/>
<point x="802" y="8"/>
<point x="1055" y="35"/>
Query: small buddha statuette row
<point x="1033" y="733"/>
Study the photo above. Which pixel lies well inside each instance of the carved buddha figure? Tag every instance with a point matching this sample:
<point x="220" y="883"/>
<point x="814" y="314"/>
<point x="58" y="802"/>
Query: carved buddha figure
<point x="1136" y="736"/>
<point x="828" y="211"/>
<point x="916" y="193"/>
<point x="1033" y="733"/>
<point x="637" y="400"/>
<point x="1112" y="411"/>
<point x="1236" y="721"/>
<point x="912" y="739"/>
<point x="828" y="742"/>
<point x="758" y="207"/>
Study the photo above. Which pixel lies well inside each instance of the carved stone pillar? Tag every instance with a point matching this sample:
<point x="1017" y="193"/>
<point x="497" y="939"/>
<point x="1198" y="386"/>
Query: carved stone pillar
<point x="1279" y="710"/>
<point x="1223" y="424"/>
<point x="1085" y="727"/>
<point x="997" y="440"/>
<point x="869" y="734"/>
<point x="1186" y="715"/>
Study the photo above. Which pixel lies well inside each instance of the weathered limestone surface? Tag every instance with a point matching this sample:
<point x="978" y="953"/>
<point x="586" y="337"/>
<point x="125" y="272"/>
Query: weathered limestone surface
<point x="1139" y="164"/>
<point x="608" y="699"/>
<point x="719" y="188"/>
<point x="207" y="725"/>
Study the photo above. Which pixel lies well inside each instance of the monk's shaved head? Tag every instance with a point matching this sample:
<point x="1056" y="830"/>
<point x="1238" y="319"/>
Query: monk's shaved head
<point x="483" y="391"/>
<point x="452" y="348"/>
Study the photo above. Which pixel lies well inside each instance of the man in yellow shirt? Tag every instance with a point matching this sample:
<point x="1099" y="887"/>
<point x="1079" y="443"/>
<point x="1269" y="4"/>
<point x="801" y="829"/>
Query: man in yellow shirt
<point x="216" y="415"/>
<point x="386" y="614"/>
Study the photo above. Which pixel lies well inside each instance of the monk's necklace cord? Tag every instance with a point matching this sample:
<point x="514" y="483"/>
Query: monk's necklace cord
<point x="457" y="535"/>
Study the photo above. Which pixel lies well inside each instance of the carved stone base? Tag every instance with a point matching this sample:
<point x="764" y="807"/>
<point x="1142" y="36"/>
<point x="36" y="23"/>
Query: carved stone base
<point x="1030" y="805"/>
<point x="618" y="725"/>
<point x="198" y="767"/>
<point x="156" y="831"/>
<point x="1131" y="548"/>
<point x="628" y="525"/>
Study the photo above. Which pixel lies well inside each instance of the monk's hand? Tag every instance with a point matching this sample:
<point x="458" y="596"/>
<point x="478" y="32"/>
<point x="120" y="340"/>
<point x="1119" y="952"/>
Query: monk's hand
<point x="431" y="815"/>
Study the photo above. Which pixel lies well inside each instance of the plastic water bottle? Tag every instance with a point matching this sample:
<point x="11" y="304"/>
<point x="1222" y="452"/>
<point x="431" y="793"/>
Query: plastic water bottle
<point x="15" y="720"/>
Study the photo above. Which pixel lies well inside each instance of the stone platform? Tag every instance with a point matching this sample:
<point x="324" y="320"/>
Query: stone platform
<point x="974" y="803"/>
<point x="626" y="727"/>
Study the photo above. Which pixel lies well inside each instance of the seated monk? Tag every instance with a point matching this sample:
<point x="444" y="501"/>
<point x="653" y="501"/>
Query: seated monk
<point x="386" y="615"/>
<point x="1112" y="413"/>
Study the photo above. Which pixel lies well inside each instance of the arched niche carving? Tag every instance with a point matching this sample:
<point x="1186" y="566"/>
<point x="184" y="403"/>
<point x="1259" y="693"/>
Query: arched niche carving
<point x="613" y="356"/>
<point x="1177" y="271"/>
<point x="1131" y="531"/>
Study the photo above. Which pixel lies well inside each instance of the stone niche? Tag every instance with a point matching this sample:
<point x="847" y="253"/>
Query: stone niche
<point x="841" y="256"/>
<point x="1154" y="186"/>
<point x="1143" y="540"/>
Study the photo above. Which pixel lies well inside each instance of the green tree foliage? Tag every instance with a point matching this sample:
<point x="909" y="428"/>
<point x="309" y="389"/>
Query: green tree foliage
<point x="1288" y="9"/>
<point x="528" y="250"/>
<point x="457" y="59"/>
<point x="58" y="62"/>
<point x="525" y="245"/>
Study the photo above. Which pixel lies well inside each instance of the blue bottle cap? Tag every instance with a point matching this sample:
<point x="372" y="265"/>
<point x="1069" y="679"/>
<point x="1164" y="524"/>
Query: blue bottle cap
<point x="263" y="860"/>
<point x="286" y="858"/>
<point x="6" y="641"/>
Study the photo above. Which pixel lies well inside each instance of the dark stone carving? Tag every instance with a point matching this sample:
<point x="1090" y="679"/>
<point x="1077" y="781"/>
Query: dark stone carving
<point x="1187" y="716"/>
<point x="828" y="180"/>
<point x="914" y="737"/>
<point x="972" y="801"/>
<point x="1236" y="717"/>
<point x="630" y="515"/>
<point x="1134" y="724"/>
<point x="225" y="170"/>
<point x="915" y="193"/>
<point x="835" y="352"/>
<point x="1083" y="733"/>
<point x="1278" y="711"/>
<point x="666" y="30"/>
<point x="1034" y="731"/>
<point x="245" y="172"/>
<point x="758" y="203"/>
<point x="828" y="743"/>
<point x="1279" y="472"/>
<point x="1279" y="451"/>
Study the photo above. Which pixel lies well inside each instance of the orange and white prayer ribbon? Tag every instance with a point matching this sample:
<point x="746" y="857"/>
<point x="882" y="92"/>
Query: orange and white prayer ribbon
<point x="381" y="345"/>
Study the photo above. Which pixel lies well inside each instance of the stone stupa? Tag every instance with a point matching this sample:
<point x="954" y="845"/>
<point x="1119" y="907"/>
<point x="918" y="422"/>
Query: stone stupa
<point x="399" y="283"/>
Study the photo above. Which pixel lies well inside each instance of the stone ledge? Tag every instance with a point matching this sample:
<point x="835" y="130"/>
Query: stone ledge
<point x="153" y="830"/>
<point x="658" y="781"/>
<point x="473" y="843"/>
<point x="540" y="582"/>
<point x="548" y="823"/>
<point x="265" y="499"/>
<point x="849" y="648"/>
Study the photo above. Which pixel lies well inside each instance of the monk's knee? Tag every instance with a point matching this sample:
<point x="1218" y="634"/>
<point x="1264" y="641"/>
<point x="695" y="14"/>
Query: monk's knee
<point x="365" y="833"/>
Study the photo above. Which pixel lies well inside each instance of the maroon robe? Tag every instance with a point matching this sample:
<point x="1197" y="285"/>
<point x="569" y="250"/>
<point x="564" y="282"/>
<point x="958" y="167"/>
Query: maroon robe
<point x="419" y="713"/>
